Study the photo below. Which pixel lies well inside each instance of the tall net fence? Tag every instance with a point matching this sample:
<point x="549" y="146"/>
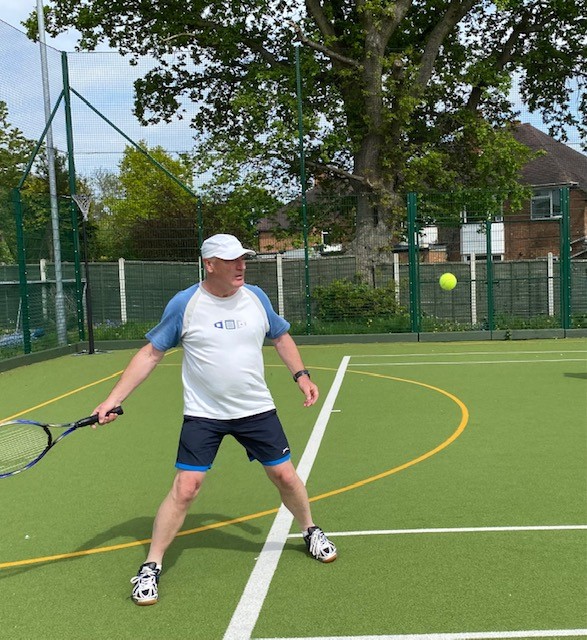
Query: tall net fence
<point x="514" y="271"/>
<point x="37" y="302"/>
<point x="509" y="278"/>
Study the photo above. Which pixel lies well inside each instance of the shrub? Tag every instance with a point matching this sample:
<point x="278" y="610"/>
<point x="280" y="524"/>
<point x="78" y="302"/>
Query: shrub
<point x="346" y="300"/>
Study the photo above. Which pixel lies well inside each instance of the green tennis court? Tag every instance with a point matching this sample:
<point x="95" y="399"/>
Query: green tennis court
<point x="451" y="476"/>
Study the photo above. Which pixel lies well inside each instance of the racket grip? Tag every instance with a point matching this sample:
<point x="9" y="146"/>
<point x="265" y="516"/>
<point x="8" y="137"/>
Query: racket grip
<point x="84" y="422"/>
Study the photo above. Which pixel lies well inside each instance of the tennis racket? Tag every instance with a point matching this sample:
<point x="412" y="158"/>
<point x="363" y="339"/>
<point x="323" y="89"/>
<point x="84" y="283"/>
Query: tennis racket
<point x="24" y="442"/>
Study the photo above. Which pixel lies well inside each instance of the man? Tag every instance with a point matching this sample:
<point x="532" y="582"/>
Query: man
<point x="221" y="324"/>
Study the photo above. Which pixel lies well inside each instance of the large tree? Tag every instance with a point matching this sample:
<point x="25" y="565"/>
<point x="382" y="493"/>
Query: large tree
<point x="397" y="95"/>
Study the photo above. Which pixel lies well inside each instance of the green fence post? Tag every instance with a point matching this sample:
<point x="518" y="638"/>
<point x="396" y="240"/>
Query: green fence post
<point x="304" y="205"/>
<point x="565" y="259"/>
<point x="489" y="266"/>
<point x="22" y="272"/>
<point x="414" y="263"/>
<point x="79" y="291"/>
<point x="200" y="236"/>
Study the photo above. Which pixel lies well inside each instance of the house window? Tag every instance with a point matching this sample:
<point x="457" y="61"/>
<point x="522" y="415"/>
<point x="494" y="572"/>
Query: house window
<point x="546" y="204"/>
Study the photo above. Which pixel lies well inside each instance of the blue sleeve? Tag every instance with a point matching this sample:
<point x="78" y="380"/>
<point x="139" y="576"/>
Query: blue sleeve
<point x="277" y="325"/>
<point x="167" y="334"/>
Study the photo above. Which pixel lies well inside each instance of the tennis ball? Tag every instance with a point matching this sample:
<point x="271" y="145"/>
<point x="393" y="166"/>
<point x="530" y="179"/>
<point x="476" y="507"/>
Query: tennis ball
<point x="447" y="281"/>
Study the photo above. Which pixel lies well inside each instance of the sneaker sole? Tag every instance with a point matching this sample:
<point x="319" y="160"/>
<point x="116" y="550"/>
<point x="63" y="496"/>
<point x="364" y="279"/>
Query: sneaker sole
<point x="327" y="560"/>
<point x="145" y="603"/>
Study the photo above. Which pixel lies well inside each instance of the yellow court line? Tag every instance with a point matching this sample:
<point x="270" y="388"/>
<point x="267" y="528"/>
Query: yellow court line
<point x="463" y="423"/>
<point x="135" y="543"/>
<point x="217" y="525"/>
<point x="64" y="395"/>
<point x="70" y="393"/>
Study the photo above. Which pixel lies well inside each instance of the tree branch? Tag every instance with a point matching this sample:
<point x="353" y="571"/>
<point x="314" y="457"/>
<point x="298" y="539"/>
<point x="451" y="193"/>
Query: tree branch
<point x="454" y="14"/>
<point x="326" y="27"/>
<point x="333" y="55"/>
<point x="393" y="15"/>
<point x="254" y="45"/>
<point x="502" y="59"/>
<point x="337" y="171"/>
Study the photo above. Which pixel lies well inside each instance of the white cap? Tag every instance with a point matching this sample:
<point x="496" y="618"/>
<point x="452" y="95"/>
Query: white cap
<point x="224" y="246"/>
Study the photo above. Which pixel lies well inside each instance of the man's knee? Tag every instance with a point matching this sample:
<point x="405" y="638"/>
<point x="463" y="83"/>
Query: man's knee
<point x="186" y="485"/>
<point x="284" y="475"/>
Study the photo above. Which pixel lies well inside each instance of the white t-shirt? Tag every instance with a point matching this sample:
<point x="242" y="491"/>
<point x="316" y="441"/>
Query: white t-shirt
<point x="223" y="369"/>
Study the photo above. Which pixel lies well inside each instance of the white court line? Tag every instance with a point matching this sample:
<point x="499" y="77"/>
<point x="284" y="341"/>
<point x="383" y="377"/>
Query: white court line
<point x="483" y="635"/>
<point x="463" y="362"/>
<point x="392" y="532"/>
<point x="248" y="609"/>
<point x="489" y="635"/>
<point x="464" y="353"/>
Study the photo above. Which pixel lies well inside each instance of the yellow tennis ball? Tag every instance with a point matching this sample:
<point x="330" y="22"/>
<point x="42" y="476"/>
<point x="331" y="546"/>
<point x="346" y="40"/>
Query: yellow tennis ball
<point x="448" y="281"/>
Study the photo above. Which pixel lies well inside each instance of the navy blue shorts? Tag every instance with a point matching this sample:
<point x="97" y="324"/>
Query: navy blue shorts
<point x="261" y="435"/>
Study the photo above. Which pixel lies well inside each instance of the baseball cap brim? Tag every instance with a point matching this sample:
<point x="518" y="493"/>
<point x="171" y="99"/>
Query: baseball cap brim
<point x="225" y="247"/>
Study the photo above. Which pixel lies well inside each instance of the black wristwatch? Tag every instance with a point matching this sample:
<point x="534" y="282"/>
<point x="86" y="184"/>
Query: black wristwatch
<point x="299" y="374"/>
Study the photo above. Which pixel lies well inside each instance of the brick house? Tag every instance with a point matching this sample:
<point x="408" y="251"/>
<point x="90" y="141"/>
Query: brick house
<point x="534" y="231"/>
<point x="274" y="234"/>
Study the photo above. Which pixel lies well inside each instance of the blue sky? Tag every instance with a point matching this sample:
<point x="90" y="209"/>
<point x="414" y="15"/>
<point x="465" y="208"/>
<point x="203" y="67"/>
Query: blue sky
<point x="104" y="78"/>
<point x="15" y="11"/>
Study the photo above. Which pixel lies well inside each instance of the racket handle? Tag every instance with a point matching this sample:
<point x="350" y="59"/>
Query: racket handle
<point x="84" y="422"/>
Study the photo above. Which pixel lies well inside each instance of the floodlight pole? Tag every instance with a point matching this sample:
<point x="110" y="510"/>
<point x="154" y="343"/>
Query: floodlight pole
<point x="60" y="320"/>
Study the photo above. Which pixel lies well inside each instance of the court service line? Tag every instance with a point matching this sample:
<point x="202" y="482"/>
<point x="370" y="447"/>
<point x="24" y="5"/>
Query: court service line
<point x="467" y="353"/>
<point x="249" y="606"/>
<point x="462" y="362"/>
<point x="475" y="635"/>
<point x="391" y="532"/>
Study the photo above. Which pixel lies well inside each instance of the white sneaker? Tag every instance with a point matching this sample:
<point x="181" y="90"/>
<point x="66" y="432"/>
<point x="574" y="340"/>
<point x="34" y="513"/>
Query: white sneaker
<point x="145" y="583"/>
<point x="319" y="546"/>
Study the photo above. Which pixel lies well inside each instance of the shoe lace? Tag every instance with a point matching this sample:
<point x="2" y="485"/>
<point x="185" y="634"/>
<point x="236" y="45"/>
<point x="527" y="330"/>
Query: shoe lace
<point x="319" y="543"/>
<point x="145" y="581"/>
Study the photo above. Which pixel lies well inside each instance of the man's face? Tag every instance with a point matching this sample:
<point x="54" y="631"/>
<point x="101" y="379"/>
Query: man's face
<point x="224" y="277"/>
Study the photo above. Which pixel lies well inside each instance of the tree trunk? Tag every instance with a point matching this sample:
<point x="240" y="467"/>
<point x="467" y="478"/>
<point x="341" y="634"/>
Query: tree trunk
<point x="374" y="236"/>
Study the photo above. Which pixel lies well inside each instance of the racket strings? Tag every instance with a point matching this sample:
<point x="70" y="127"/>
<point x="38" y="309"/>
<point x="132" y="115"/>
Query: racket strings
<point x="21" y="444"/>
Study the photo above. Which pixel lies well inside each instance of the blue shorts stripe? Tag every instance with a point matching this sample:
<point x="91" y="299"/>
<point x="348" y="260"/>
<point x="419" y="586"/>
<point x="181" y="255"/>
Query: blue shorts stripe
<point x="272" y="463"/>
<point x="189" y="467"/>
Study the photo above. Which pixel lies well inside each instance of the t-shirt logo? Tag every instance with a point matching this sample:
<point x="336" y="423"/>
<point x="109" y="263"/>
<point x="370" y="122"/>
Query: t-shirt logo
<point x="230" y="324"/>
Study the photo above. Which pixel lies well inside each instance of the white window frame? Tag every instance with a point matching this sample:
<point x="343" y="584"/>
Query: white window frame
<point x="550" y="197"/>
